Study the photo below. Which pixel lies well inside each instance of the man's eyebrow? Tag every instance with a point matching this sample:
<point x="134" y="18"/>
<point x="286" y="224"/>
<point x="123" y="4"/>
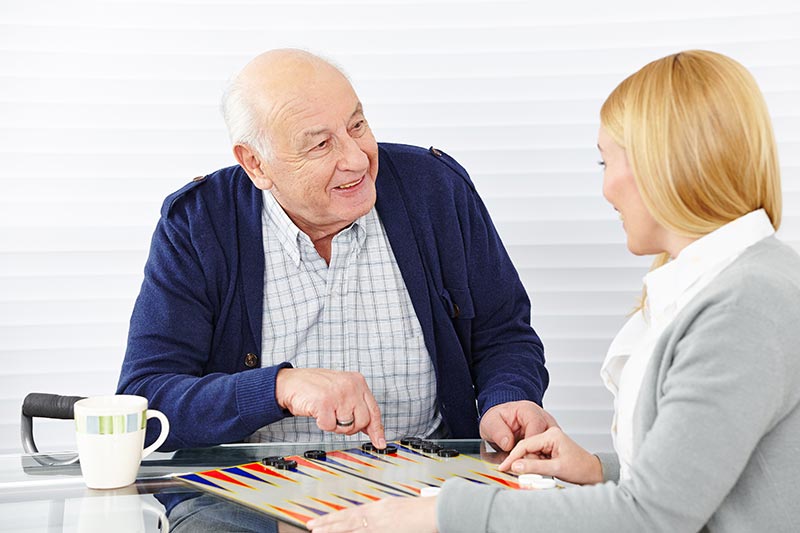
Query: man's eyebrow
<point x="313" y="133"/>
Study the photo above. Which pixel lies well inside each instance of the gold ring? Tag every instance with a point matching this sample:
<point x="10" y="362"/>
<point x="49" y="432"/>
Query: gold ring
<point x="345" y="423"/>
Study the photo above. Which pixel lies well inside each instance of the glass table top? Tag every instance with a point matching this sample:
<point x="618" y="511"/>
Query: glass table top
<point x="38" y="494"/>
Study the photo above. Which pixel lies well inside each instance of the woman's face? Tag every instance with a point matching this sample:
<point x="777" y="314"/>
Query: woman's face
<point x="645" y="235"/>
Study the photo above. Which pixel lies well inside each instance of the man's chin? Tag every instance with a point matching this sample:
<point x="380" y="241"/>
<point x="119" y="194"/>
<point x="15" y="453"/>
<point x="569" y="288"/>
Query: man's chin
<point x="358" y="206"/>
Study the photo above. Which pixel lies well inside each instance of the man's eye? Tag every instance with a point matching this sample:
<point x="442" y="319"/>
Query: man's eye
<point x="602" y="163"/>
<point x="358" y="129"/>
<point x="322" y="144"/>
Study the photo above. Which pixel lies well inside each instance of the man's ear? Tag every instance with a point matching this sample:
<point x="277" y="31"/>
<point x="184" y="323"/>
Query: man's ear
<point x="252" y="164"/>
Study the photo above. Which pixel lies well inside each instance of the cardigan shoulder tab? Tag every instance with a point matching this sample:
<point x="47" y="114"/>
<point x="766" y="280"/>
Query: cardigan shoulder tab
<point x="196" y="185"/>
<point x="409" y="157"/>
<point x="180" y="193"/>
<point x="453" y="164"/>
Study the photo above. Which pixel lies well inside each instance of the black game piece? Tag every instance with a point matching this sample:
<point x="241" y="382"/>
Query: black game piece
<point x="448" y="452"/>
<point x="430" y="448"/>
<point x="416" y="444"/>
<point x="285" y="465"/>
<point x="368" y="447"/>
<point x="407" y="441"/>
<point x="390" y="449"/>
<point x="315" y="454"/>
<point x="271" y="460"/>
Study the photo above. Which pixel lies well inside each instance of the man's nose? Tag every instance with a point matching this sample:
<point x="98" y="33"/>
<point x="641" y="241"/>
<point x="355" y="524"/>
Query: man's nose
<point x="351" y="156"/>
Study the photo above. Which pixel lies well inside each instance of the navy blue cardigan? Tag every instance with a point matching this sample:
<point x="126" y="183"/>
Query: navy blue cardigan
<point x="194" y="343"/>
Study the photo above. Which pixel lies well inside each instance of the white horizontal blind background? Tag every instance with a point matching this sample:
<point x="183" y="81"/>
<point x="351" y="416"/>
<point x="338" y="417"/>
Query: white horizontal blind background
<point x="108" y="106"/>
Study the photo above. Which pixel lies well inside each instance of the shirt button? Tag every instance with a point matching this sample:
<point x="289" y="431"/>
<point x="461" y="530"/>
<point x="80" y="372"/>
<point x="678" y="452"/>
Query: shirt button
<point x="250" y="360"/>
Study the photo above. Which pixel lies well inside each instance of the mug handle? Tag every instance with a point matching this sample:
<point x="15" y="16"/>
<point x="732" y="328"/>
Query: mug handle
<point x="152" y="413"/>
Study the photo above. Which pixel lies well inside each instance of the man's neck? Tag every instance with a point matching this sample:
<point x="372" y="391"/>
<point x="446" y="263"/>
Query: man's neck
<point x="323" y="247"/>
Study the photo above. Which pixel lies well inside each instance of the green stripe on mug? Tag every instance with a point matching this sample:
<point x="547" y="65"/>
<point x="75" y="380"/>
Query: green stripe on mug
<point x="111" y="424"/>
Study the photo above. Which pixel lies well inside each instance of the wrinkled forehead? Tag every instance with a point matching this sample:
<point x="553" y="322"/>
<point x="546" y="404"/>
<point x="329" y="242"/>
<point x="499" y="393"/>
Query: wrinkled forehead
<point x="311" y="108"/>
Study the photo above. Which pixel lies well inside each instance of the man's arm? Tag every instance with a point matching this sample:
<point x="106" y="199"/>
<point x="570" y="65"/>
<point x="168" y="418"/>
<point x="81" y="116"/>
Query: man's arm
<point x="174" y="356"/>
<point x="507" y="354"/>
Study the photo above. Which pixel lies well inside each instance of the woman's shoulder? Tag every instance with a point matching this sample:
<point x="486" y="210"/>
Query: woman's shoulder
<point x="767" y="270"/>
<point x="763" y="282"/>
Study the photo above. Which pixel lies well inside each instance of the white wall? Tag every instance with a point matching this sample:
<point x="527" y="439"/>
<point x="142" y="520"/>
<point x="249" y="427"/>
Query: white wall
<point x="106" y="107"/>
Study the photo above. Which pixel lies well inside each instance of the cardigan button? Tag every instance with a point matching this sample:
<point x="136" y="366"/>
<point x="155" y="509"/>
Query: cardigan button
<point x="435" y="151"/>
<point x="251" y="360"/>
<point x="198" y="178"/>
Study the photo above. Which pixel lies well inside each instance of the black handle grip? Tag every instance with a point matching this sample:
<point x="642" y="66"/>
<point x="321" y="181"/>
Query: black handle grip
<point x="38" y="404"/>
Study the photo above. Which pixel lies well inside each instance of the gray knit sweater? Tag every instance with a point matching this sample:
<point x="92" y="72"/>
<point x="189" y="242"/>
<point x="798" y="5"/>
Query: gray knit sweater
<point x="716" y="427"/>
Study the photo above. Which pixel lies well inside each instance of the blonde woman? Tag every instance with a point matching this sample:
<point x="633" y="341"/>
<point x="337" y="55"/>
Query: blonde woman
<point x="706" y="373"/>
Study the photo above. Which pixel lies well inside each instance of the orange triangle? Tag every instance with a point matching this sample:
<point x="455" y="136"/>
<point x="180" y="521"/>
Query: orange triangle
<point x="342" y="455"/>
<point x="367" y="496"/>
<point x="297" y="516"/>
<point x="216" y="474"/>
<point x="500" y="480"/>
<point x="258" y="467"/>
<point x="309" y="464"/>
<point x="329" y="504"/>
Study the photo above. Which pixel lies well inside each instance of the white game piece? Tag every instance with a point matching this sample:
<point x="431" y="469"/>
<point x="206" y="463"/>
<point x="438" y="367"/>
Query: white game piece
<point x="527" y="480"/>
<point x="429" y="491"/>
<point x="536" y="481"/>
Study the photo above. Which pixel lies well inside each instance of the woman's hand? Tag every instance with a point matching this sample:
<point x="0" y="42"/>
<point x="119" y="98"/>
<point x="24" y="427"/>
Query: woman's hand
<point x="552" y="453"/>
<point x="412" y="515"/>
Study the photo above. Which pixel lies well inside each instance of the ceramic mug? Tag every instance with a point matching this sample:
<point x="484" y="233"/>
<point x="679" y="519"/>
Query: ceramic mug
<point x="110" y="433"/>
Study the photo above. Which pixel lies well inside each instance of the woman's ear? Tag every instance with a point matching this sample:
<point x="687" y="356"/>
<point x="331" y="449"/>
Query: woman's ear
<point x="251" y="162"/>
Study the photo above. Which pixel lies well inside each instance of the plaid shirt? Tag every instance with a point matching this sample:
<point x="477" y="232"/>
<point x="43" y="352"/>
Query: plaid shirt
<point x="353" y="315"/>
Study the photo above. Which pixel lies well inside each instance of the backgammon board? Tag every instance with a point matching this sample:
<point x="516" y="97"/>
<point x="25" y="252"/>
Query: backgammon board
<point x="296" y="489"/>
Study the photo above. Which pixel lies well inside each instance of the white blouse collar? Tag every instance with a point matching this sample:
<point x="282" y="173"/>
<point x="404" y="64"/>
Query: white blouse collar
<point x="667" y="283"/>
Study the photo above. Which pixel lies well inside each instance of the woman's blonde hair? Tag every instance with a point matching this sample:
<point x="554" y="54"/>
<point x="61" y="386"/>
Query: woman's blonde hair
<point x="699" y="141"/>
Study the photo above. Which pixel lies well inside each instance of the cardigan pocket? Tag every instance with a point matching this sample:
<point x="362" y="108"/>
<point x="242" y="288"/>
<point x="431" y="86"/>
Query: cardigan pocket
<point x="458" y="303"/>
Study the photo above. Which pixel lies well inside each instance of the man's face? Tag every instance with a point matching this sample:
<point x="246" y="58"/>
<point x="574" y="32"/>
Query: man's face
<point x="325" y="158"/>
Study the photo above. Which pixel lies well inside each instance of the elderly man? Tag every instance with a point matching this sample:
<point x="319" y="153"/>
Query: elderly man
<point x="330" y="285"/>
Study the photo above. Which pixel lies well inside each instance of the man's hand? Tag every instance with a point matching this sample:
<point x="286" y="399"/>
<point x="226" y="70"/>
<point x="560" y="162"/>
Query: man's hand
<point x="552" y="453"/>
<point x="505" y="424"/>
<point x="340" y="401"/>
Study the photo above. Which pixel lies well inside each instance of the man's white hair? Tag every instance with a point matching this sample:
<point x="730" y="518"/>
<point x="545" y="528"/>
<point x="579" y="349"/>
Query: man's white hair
<point x="243" y="119"/>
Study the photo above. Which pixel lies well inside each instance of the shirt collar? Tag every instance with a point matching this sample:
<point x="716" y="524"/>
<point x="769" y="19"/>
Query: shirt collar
<point x="292" y="238"/>
<point x="666" y="284"/>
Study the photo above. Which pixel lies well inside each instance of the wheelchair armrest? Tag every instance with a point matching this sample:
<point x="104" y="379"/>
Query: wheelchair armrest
<point x="37" y="404"/>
